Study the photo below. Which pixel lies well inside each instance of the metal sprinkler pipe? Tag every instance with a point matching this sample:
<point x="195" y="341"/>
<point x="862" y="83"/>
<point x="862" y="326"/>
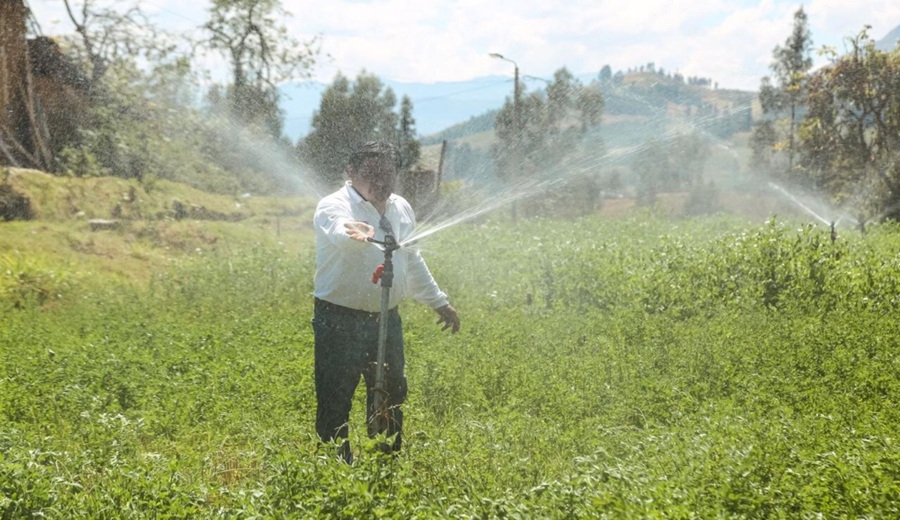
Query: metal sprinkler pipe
<point x="380" y="419"/>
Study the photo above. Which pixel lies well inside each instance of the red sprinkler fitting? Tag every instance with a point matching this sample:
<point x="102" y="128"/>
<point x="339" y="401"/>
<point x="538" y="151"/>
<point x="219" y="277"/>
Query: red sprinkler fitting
<point x="376" y="276"/>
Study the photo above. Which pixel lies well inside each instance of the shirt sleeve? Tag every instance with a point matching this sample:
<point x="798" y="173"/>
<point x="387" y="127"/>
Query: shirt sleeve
<point x="422" y="285"/>
<point x="329" y="220"/>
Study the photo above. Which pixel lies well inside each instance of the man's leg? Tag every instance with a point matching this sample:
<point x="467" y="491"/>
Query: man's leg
<point x="339" y="360"/>
<point x="395" y="377"/>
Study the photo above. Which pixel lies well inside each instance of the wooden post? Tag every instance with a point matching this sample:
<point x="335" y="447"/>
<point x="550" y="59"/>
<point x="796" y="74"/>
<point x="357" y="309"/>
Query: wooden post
<point x="436" y="194"/>
<point x="440" y="171"/>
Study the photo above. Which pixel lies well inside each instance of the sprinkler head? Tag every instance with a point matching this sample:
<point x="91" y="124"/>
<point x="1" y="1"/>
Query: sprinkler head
<point x="389" y="243"/>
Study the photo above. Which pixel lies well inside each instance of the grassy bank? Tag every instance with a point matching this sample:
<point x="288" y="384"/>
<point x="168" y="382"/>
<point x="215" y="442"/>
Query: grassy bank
<point x="147" y="228"/>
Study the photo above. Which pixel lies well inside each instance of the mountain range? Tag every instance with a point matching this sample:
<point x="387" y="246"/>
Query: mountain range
<point x="890" y="41"/>
<point x="438" y="106"/>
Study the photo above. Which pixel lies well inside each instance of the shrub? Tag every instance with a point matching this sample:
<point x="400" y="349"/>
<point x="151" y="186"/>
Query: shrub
<point x="26" y="283"/>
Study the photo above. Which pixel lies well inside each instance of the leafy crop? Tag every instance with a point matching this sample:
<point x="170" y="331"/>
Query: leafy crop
<point x="605" y="369"/>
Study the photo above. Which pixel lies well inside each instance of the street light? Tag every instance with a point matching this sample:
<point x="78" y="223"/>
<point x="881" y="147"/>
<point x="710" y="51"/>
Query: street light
<point x="516" y="89"/>
<point x="517" y="114"/>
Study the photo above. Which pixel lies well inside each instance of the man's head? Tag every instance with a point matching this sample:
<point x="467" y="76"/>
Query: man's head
<point x="372" y="167"/>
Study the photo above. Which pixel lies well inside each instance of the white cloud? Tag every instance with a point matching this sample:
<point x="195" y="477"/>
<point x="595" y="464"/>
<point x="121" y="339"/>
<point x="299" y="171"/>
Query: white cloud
<point x="838" y="19"/>
<point x="730" y="41"/>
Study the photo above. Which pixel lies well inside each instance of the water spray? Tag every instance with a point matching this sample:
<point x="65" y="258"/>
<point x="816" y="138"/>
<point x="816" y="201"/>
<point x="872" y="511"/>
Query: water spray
<point x="381" y="414"/>
<point x="583" y="163"/>
<point x="859" y="223"/>
<point x="803" y="206"/>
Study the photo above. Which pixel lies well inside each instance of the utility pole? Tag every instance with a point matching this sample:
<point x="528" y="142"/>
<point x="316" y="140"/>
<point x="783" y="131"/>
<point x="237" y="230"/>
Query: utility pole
<point x="517" y="117"/>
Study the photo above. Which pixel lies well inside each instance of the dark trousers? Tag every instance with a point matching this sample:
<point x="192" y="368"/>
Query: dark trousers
<point x="346" y="346"/>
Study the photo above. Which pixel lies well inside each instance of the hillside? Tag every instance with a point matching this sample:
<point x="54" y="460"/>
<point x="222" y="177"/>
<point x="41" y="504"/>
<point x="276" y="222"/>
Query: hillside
<point x="130" y="230"/>
<point x="474" y="125"/>
<point x="639" y="107"/>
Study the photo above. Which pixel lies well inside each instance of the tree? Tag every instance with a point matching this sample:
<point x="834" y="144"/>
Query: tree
<point x="261" y="54"/>
<point x="792" y="62"/>
<point x="408" y="146"/>
<point x="589" y="103"/>
<point x="466" y="162"/>
<point x="121" y="103"/>
<point x="548" y="130"/>
<point x="509" y="134"/>
<point x="650" y="165"/>
<point x="351" y="114"/>
<point x="23" y="137"/>
<point x="552" y="125"/>
<point x="126" y="62"/>
<point x="606" y="74"/>
<point x="850" y="138"/>
<point x="107" y="36"/>
<point x="786" y="96"/>
<point x="763" y="139"/>
<point x="688" y="153"/>
<point x="671" y="164"/>
<point x="560" y="99"/>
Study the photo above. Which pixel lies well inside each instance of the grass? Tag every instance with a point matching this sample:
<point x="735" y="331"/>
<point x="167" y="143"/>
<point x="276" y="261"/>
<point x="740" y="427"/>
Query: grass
<point x="636" y="366"/>
<point x="66" y="198"/>
<point x="625" y="368"/>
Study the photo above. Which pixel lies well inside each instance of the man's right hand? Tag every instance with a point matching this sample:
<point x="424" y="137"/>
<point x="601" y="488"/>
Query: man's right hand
<point x="448" y="318"/>
<point x="359" y="231"/>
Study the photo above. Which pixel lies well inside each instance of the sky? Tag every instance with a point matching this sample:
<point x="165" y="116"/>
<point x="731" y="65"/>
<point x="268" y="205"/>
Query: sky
<point x="434" y="41"/>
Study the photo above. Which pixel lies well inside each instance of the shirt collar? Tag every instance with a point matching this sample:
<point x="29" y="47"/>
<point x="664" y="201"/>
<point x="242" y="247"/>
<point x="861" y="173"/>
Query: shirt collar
<point x="356" y="198"/>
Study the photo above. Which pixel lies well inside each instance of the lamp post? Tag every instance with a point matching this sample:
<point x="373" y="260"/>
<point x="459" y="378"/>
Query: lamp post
<point x="517" y="112"/>
<point x="516" y="90"/>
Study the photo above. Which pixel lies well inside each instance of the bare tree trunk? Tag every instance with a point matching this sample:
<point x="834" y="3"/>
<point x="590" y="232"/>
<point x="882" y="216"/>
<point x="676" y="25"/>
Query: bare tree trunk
<point x="7" y="153"/>
<point x="12" y="52"/>
<point x="37" y="124"/>
<point x="20" y="151"/>
<point x="19" y="120"/>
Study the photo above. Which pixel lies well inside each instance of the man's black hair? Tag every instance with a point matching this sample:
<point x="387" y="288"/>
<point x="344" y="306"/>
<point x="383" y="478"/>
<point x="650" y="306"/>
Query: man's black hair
<point x="373" y="149"/>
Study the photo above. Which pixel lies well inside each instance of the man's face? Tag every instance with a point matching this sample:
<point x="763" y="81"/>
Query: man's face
<point x="377" y="173"/>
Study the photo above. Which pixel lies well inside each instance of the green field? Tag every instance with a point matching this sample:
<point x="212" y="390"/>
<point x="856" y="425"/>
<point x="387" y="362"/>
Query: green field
<point x="627" y="368"/>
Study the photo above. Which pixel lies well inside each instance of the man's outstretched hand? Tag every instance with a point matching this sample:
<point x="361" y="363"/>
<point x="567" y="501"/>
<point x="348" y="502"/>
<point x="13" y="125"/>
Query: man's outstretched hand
<point x="359" y="231"/>
<point x="448" y="318"/>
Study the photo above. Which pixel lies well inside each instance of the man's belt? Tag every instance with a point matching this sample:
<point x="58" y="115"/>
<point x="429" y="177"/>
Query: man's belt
<point x="340" y="310"/>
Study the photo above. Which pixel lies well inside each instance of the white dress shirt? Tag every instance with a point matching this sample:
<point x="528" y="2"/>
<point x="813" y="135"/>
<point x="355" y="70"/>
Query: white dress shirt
<point x="344" y="266"/>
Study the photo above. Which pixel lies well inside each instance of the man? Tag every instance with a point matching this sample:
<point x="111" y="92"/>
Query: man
<point x="347" y="303"/>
